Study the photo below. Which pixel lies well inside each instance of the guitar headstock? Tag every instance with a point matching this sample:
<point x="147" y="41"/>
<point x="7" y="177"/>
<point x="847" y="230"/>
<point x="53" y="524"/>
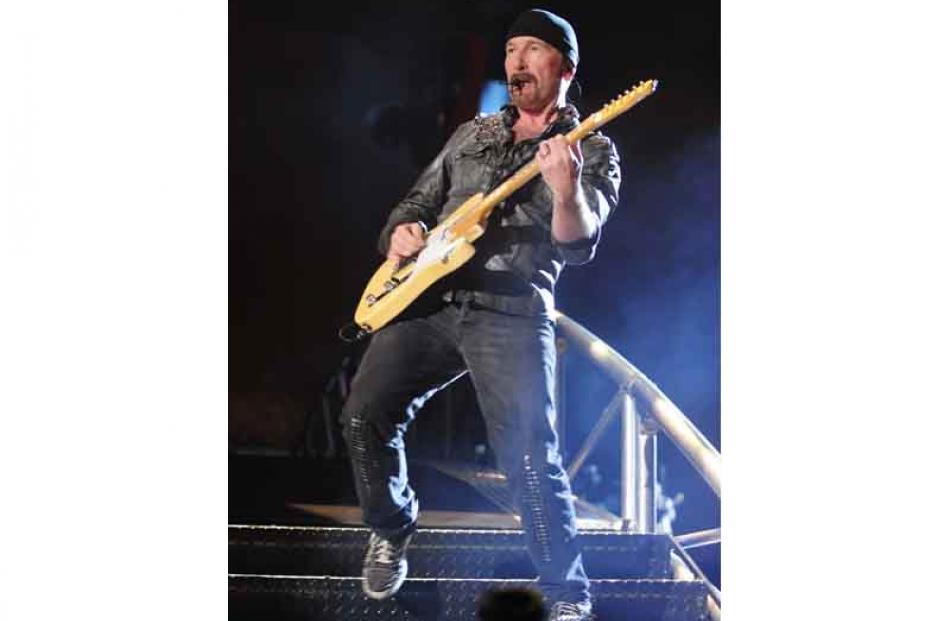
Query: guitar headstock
<point x="624" y="102"/>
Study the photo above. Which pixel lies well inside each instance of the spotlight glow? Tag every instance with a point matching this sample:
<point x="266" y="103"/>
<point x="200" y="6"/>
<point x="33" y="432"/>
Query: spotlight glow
<point x="599" y="349"/>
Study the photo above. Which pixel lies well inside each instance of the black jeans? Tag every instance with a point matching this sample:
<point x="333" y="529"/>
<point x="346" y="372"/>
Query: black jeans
<point x="511" y="361"/>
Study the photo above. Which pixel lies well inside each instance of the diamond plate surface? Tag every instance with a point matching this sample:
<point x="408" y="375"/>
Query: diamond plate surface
<point x="330" y="598"/>
<point x="435" y="553"/>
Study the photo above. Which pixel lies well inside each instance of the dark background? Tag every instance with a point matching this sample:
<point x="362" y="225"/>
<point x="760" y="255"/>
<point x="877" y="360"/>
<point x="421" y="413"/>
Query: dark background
<point x="334" y="110"/>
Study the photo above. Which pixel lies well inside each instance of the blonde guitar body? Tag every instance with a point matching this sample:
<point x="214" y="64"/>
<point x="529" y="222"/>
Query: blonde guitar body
<point x="449" y="246"/>
<point x="393" y="287"/>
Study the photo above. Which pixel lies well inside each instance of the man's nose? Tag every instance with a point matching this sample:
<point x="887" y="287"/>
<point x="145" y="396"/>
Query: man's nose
<point x="520" y="60"/>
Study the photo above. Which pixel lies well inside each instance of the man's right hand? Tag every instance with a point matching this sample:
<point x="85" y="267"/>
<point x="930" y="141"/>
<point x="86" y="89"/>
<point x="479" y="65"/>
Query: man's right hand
<point x="406" y="240"/>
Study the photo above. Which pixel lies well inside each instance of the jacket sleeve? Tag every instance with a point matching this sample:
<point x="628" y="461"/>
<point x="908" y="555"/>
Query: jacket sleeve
<point x="600" y="183"/>
<point x="426" y="197"/>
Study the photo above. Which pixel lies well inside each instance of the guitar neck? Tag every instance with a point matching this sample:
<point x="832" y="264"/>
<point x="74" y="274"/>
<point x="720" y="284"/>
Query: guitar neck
<point x="526" y="173"/>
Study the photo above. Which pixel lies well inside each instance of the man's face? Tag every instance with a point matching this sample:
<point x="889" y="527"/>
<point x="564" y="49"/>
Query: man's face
<point x="534" y="70"/>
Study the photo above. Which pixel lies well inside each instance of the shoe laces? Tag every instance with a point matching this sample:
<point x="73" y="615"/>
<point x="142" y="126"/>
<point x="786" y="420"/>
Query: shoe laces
<point x="568" y="611"/>
<point x="384" y="552"/>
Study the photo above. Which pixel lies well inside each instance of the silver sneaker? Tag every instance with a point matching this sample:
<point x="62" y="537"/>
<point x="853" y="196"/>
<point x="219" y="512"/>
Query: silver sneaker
<point x="384" y="567"/>
<point x="568" y="611"/>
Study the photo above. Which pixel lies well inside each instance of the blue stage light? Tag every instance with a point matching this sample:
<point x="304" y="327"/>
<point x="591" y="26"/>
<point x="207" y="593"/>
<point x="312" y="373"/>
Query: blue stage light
<point x="494" y="96"/>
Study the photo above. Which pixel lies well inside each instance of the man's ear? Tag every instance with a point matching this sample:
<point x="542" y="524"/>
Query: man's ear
<point x="567" y="70"/>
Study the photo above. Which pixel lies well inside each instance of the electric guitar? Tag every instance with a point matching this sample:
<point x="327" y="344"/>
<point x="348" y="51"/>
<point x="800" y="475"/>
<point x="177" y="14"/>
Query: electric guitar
<point x="396" y="284"/>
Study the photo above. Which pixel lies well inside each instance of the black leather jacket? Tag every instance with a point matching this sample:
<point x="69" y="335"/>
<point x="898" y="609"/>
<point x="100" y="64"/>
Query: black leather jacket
<point x="517" y="262"/>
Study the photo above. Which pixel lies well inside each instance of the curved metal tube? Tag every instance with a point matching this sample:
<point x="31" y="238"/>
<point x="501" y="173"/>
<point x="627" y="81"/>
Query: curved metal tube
<point x="694" y="445"/>
<point x="699" y="538"/>
<point x="682" y="571"/>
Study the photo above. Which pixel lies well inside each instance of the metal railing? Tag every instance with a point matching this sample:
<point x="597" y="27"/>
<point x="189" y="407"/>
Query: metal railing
<point x="644" y="410"/>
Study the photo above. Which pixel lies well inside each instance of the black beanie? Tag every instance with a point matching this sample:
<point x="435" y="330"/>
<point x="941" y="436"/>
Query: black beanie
<point x="548" y="27"/>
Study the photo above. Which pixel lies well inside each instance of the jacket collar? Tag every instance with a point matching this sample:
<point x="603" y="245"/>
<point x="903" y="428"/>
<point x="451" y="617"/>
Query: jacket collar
<point x="567" y="118"/>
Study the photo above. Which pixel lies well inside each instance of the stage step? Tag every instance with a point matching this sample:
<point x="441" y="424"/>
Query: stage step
<point x="435" y="553"/>
<point x="311" y="572"/>
<point x="326" y="598"/>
